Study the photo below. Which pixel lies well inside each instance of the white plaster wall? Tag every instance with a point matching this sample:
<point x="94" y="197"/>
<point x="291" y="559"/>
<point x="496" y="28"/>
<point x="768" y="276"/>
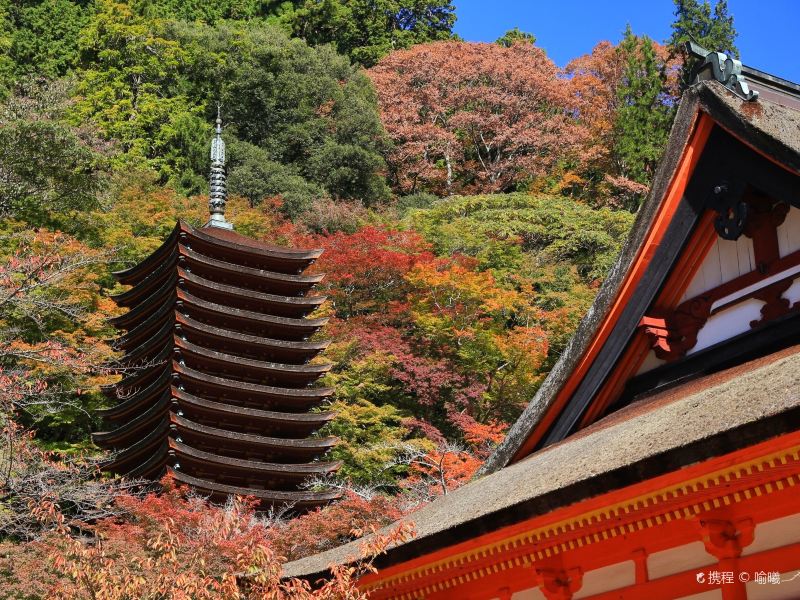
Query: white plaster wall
<point x="789" y="233"/>
<point x="678" y="559"/>
<point x="774" y="534"/>
<point x="726" y="260"/>
<point x="728" y="323"/>
<point x="651" y="361"/>
<point x="529" y="594"/>
<point x="606" y="579"/>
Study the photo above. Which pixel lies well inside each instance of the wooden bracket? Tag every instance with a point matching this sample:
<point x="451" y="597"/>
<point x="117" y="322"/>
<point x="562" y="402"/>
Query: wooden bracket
<point x="558" y="584"/>
<point x="673" y="334"/>
<point x="726" y="539"/>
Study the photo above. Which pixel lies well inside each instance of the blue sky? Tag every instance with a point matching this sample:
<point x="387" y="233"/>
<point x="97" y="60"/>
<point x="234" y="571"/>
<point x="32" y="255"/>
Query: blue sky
<point x="768" y="29"/>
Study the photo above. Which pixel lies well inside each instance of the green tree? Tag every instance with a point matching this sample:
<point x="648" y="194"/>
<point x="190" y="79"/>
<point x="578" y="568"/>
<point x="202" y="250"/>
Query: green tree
<point x="203" y="10"/>
<point x="697" y="22"/>
<point x="6" y="41"/>
<point x="644" y="112"/>
<point x="45" y="36"/>
<point x="130" y="87"/>
<point x="49" y="170"/>
<point x="514" y="36"/>
<point x="366" y="30"/>
<point x="305" y="108"/>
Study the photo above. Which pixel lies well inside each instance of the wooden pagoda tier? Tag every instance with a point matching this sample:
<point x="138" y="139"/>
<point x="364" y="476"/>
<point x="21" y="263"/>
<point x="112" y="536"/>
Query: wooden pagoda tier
<point x="217" y="385"/>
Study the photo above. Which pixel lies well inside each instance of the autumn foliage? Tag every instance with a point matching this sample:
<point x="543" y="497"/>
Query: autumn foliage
<point x="474" y="117"/>
<point x="170" y="545"/>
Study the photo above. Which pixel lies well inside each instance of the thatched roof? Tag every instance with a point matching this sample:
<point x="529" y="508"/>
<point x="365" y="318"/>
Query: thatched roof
<point x="707" y="417"/>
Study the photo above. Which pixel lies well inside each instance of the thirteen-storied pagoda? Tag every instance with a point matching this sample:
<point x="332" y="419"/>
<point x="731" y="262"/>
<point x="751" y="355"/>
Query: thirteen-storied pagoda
<point x="217" y="385"/>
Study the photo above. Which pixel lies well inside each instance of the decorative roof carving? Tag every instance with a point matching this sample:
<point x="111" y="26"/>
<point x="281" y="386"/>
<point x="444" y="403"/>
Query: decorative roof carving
<point x="719" y="66"/>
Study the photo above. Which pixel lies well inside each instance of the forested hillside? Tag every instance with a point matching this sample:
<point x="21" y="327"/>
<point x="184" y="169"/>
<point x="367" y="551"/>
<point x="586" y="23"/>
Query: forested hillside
<point x="470" y="198"/>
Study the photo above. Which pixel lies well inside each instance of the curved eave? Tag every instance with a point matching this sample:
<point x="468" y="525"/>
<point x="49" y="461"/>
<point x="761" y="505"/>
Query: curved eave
<point x="287" y="445"/>
<point x="297" y="499"/>
<point x="138" y="272"/>
<point x="302" y="350"/>
<point x="297" y="329"/>
<point x="154" y="466"/>
<point x="303" y="397"/>
<point x="141" y="311"/>
<point x="124" y="434"/>
<point x="140" y="401"/>
<point x="150" y="283"/>
<point x="292" y="306"/>
<point x="146" y="328"/>
<point x="298" y="471"/>
<point x="141" y="376"/>
<point x="289" y="420"/>
<point x="262" y="279"/>
<point x="306" y="373"/>
<point x="149" y="349"/>
<point x="134" y="455"/>
<point x="289" y="260"/>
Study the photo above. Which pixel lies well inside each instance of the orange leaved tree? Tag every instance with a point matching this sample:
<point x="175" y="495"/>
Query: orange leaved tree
<point x="474" y="117"/>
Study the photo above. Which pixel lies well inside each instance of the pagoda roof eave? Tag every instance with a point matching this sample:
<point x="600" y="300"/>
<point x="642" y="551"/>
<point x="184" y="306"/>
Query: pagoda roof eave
<point x="146" y="307"/>
<point x="272" y="367"/>
<point x="153" y="343"/>
<point x="239" y="270"/>
<point x="246" y="247"/>
<point x="140" y="373"/>
<point x="300" y="499"/>
<point x="141" y="270"/>
<point x="285" y="444"/>
<point x="315" y="419"/>
<point x="219" y="311"/>
<point x="137" y="400"/>
<point x="297" y="469"/>
<point x="152" y="281"/>
<point x="152" y="323"/>
<point x="303" y="395"/>
<point x="294" y="302"/>
<point x="220" y="332"/>
<point x="122" y="434"/>
<point x="153" y="466"/>
<point x="298" y="259"/>
<point x="124" y="457"/>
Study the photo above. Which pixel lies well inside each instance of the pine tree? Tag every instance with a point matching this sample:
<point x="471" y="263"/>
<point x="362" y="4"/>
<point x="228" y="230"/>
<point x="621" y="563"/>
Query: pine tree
<point x="644" y="112"/>
<point x="711" y="29"/>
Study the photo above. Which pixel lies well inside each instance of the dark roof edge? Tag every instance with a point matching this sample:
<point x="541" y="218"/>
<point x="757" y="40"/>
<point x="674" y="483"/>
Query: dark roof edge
<point x="682" y="128"/>
<point x="771" y="81"/>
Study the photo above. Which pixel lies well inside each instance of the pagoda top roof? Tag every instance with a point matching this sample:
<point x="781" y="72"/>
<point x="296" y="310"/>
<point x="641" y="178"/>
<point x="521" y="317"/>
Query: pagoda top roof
<point x="248" y="250"/>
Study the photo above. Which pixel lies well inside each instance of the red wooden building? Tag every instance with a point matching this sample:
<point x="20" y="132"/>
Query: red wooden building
<point x="661" y="456"/>
<point x="217" y="386"/>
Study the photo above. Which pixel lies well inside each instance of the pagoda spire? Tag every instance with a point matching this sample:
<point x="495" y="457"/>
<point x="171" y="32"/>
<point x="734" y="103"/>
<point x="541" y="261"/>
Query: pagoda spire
<point x="218" y="195"/>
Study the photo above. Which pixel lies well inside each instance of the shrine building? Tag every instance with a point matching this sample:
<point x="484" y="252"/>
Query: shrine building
<point x="660" y="459"/>
<point x="218" y="387"/>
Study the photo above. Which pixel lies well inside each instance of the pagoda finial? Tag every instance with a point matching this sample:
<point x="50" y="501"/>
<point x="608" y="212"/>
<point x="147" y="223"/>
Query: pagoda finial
<point x="218" y="196"/>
